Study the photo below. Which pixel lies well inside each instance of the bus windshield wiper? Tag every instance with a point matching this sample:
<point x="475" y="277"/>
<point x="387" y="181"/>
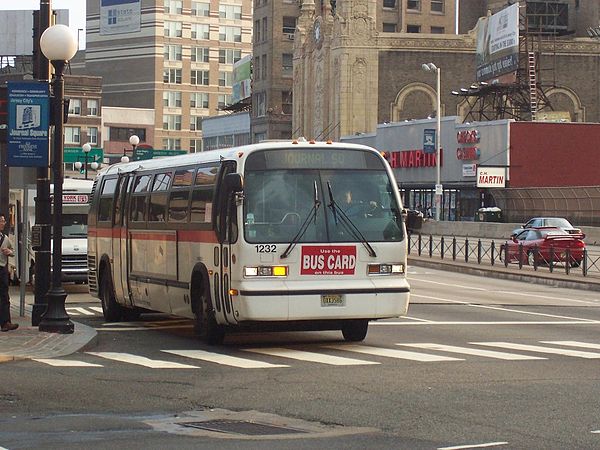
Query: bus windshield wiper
<point x="312" y="215"/>
<point x="340" y="216"/>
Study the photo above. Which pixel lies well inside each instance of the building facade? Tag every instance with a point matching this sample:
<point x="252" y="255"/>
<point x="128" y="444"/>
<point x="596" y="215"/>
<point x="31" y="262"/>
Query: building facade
<point x="275" y="40"/>
<point x="173" y="56"/>
<point x="349" y="76"/>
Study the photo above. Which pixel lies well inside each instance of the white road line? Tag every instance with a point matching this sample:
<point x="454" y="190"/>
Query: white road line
<point x="225" y="360"/>
<point x="472" y="351"/>
<point x="96" y="308"/>
<point x="309" y="356"/>
<point x="540" y="349"/>
<point x="151" y="328"/>
<point x="390" y="353"/>
<point x="506" y="322"/>
<point x="573" y="344"/>
<point x="461" y="286"/>
<point x="141" y="360"/>
<point x="460" y="447"/>
<point x="75" y="311"/>
<point x="498" y="308"/>
<point x="66" y="363"/>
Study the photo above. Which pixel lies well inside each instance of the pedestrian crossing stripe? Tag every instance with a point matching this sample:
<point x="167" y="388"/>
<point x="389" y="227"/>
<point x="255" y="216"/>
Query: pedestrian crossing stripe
<point x="324" y="358"/>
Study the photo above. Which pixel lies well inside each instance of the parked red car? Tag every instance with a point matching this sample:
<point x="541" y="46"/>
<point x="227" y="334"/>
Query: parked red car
<point x="542" y="244"/>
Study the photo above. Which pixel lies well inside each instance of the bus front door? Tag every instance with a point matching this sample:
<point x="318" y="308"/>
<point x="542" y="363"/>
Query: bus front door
<point x="121" y="251"/>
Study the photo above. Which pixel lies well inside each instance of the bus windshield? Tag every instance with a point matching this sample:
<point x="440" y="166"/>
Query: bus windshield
<point x="279" y="197"/>
<point x="74" y="226"/>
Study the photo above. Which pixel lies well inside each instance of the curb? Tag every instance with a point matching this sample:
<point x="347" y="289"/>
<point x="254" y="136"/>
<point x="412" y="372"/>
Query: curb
<point x="507" y="274"/>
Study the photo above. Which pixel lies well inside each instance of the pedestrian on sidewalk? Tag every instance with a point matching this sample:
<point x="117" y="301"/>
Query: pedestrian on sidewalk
<point x="6" y="250"/>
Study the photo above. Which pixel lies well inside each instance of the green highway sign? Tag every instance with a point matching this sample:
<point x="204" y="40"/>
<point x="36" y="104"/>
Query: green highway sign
<point x="74" y="154"/>
<point x="150" y="153"/>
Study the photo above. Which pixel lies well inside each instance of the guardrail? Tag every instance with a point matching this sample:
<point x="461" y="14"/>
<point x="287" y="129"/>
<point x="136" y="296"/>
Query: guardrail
<point x="495" y="252"/>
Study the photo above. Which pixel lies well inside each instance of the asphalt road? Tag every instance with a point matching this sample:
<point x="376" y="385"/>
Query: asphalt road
<point x="478" y="362"/>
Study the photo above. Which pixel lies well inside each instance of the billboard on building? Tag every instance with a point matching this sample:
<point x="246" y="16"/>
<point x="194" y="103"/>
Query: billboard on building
<point x="242" y="75"/>
<point x="119" y="16"/>
<point x="497" y="53"/>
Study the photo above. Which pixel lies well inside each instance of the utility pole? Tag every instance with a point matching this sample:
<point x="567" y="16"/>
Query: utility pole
<point x="43" y="207"/>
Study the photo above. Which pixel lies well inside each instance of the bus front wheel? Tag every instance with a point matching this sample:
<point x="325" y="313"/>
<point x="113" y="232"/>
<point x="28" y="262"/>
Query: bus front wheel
<point x="355" y="330"/>
<point x="205" y="325"/>
<point x="110" y="308"/>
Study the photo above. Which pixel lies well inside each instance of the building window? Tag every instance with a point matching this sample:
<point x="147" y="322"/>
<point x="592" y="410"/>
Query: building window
<point x="257" y="31"/>
<point x="172" y="76"/>
<point x="200" y="54"/>
<point x="92" y="135"/>
<point x="200" y="9"/>
<point x="224" y="100"/>
<point x="92" y="107"/>
<point x="389" y="27"/>
<point x="199" y="77"/>
<point x="265" y="29"/>
<point x="199" y="100"/>
<point x="264" y="67"/>
<point x="438" y="30"/>
<point x="172" y="99"/>
<point x="230" y="12"/>
<point x="200" y="31"/>
<point x="230" y="34"/>
<point x="289" y="25"/>
<point x="437" y="6"/>
<point x="414" y="5"/>
<point x="389" y="3"/>
<point x="72" y="135"/>
<point x="196" y="123"/>
<point x="172" y="122"/>
<point x="75" y="106"/>
<point x="123" y="134"/>
<point x="172" y="52"/>
<point x="287" y="64"/>
<point x="413" y="28"/>
<point x="229" y="55"/>
<point x="225" y="78"/>
<point x="256" y="68"/>
<point x="172" y="29"/>
<point x="195" y="145"/>
<point x="260" y="101"/>
<point x="286" y="102"/>
<point x="171" y="144"/>
<point x="173" y="6"/>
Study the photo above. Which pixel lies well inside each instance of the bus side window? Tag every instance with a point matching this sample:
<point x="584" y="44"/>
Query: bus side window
<point x="157" y="207"/>
<point x="106" y="199"/>
<point x="137" y="207"/>
<point x="179" y="196"/>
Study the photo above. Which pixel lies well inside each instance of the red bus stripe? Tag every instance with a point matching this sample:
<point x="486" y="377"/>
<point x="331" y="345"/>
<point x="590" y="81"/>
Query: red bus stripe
<point x="206" y="236"/>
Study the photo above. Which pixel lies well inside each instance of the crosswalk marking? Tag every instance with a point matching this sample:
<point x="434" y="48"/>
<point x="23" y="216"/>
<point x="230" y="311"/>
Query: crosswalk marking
<point x="473" y="351"/>
<point x="96" y="308"/>
<point x="540" y="349"/>
<point x="66" y="363"/>
<point x="391" y="353"/>
<point x="141" y="360"/>
<point x="573" y="344"/>
<point x="225" y="360"/>
<point x="309" y="356"/>
<point x="75" y="311"/>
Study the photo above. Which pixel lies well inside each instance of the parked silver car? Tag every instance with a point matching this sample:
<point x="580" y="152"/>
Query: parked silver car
<point x="558" y="222"/>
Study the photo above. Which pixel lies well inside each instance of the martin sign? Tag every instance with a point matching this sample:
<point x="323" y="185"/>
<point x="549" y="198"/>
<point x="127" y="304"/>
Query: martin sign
<point x="491" y="177"/>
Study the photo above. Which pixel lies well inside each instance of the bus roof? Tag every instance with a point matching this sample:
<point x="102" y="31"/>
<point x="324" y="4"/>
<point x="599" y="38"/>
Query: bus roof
<point x="215" y="155"/>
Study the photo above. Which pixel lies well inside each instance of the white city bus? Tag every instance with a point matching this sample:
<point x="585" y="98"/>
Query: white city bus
<point x="254" y="237"/>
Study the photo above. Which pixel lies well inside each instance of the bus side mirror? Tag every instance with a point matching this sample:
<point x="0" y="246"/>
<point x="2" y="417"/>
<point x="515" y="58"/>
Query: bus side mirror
<point x="234" y="182"/>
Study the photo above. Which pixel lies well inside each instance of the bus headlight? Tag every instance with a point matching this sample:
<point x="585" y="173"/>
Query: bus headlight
<point x="265" y="271"/>
<point x="385" y="269"/>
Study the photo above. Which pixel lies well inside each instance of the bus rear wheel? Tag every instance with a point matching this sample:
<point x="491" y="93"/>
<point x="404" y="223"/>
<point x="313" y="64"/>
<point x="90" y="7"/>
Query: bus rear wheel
<point x="110" y="308"/>
<point x="205" y="325"/>
<point x="355" y="330"/>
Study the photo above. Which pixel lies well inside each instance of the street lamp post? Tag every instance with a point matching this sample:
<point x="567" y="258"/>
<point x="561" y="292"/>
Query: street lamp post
<point x="431" y="67"/>
<point x="59" y="45"/>
<point x="86" y="150"/>
<point x="134" y="141"/>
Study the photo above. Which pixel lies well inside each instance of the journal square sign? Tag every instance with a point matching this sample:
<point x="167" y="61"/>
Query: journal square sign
<point x="28" y="120"/>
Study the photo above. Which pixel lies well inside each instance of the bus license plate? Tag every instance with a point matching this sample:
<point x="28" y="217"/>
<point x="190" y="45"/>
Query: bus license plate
<point x="332" y="300"/>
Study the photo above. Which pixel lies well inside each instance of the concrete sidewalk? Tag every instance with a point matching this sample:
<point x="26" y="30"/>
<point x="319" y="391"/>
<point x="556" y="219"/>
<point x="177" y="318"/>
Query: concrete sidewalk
<point x="28" y="342"/>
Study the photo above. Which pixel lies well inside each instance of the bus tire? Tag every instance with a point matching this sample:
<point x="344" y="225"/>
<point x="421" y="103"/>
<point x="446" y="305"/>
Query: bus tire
<point x="355" y="330"/>
<point x="110" y="308"/>
<point x="205" y="325"/>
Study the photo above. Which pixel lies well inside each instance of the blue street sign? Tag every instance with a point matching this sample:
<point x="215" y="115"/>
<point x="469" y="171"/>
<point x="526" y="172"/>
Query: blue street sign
<point x="28" y="123"/>
<point x="428" y="140"/>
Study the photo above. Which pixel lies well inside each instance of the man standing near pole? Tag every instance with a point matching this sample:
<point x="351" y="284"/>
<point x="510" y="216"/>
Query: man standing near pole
<point x="5" y="251"/>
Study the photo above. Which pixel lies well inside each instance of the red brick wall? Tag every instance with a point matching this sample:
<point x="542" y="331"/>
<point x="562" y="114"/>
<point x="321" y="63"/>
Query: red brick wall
<point x="554" y="154"/>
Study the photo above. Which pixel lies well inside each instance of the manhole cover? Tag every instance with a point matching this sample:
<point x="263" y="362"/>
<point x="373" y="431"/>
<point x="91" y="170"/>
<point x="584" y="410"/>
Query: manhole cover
<point x="241" y="427"/>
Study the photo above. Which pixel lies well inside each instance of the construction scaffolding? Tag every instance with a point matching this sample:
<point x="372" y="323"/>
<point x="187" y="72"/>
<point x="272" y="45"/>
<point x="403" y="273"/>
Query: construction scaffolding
<point x="540" y="23"/>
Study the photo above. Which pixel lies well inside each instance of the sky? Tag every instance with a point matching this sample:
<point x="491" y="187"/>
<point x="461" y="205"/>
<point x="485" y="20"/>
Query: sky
<point x="76" y="12"/>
